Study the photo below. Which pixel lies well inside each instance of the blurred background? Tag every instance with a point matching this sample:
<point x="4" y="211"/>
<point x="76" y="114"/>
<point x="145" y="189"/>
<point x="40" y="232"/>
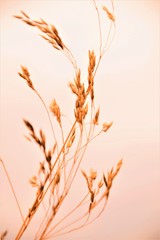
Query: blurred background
<point x="127" y="91"/>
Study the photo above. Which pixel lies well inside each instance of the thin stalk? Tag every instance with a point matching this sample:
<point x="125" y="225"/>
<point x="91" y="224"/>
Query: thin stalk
<point x="12" y="188"/>
<point x="39" y="198"/>
<point x="65" y="191"/>
<point x="65" y="217"/>
<point x="86" y="223"/>
<point x="80" y="226"/>
<point x="75" y="157"/>
<point x="90" y="140"/>
<point x="99" y="26"/>
<point x="108" y="36"/>
<point x="49" y="118"/>
<point x="58" y="232"/>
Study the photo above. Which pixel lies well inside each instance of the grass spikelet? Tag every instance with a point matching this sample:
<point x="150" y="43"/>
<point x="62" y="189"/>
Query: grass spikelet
<point x="56" y="111"/>
<point x="24" y="14"/>
<point x="119" y="165"/>
<point x="100" y="184"/>
<point x="91" y="67"/>
<point x="93" y="174"/>
<point x="92" y="61"/>
<point x="42" y="139"/>
<point x="73" y="88"/>
<point x="34" y="182"/>
<point x="26" y="75"/>
<point x="106" y="126"/>
<point x="71" y="139"/>
<point x="96" y="118"/>
<point x="28" y="125"/>
<point x="109" y="14"/>
<point x="56" y="180"/>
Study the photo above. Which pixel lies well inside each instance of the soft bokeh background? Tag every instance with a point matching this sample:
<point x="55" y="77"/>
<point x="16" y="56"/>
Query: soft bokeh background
<point x="127" y="88"/>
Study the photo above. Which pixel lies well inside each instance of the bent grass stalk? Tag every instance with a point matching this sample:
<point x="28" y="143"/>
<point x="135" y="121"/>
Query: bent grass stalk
<point x="60" y="167"/>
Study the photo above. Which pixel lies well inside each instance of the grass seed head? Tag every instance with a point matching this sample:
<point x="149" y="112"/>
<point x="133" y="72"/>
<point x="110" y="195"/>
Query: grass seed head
<point x="26" y="75"/>
<point x="56" y="111"/>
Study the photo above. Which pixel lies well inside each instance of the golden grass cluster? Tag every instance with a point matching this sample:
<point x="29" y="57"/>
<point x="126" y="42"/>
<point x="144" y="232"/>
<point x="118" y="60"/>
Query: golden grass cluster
<point x="58" y="171"/>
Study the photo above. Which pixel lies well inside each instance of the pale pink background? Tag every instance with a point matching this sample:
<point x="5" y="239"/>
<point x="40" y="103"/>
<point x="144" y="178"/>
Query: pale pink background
<point x="127" y="88"/>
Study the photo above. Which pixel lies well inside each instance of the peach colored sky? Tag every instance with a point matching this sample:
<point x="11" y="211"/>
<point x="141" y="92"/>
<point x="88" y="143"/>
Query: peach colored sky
<point x="127" y="86"/>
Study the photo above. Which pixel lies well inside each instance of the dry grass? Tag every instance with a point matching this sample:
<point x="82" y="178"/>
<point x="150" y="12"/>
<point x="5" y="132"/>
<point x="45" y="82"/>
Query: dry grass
<point x="57" y="172"/>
